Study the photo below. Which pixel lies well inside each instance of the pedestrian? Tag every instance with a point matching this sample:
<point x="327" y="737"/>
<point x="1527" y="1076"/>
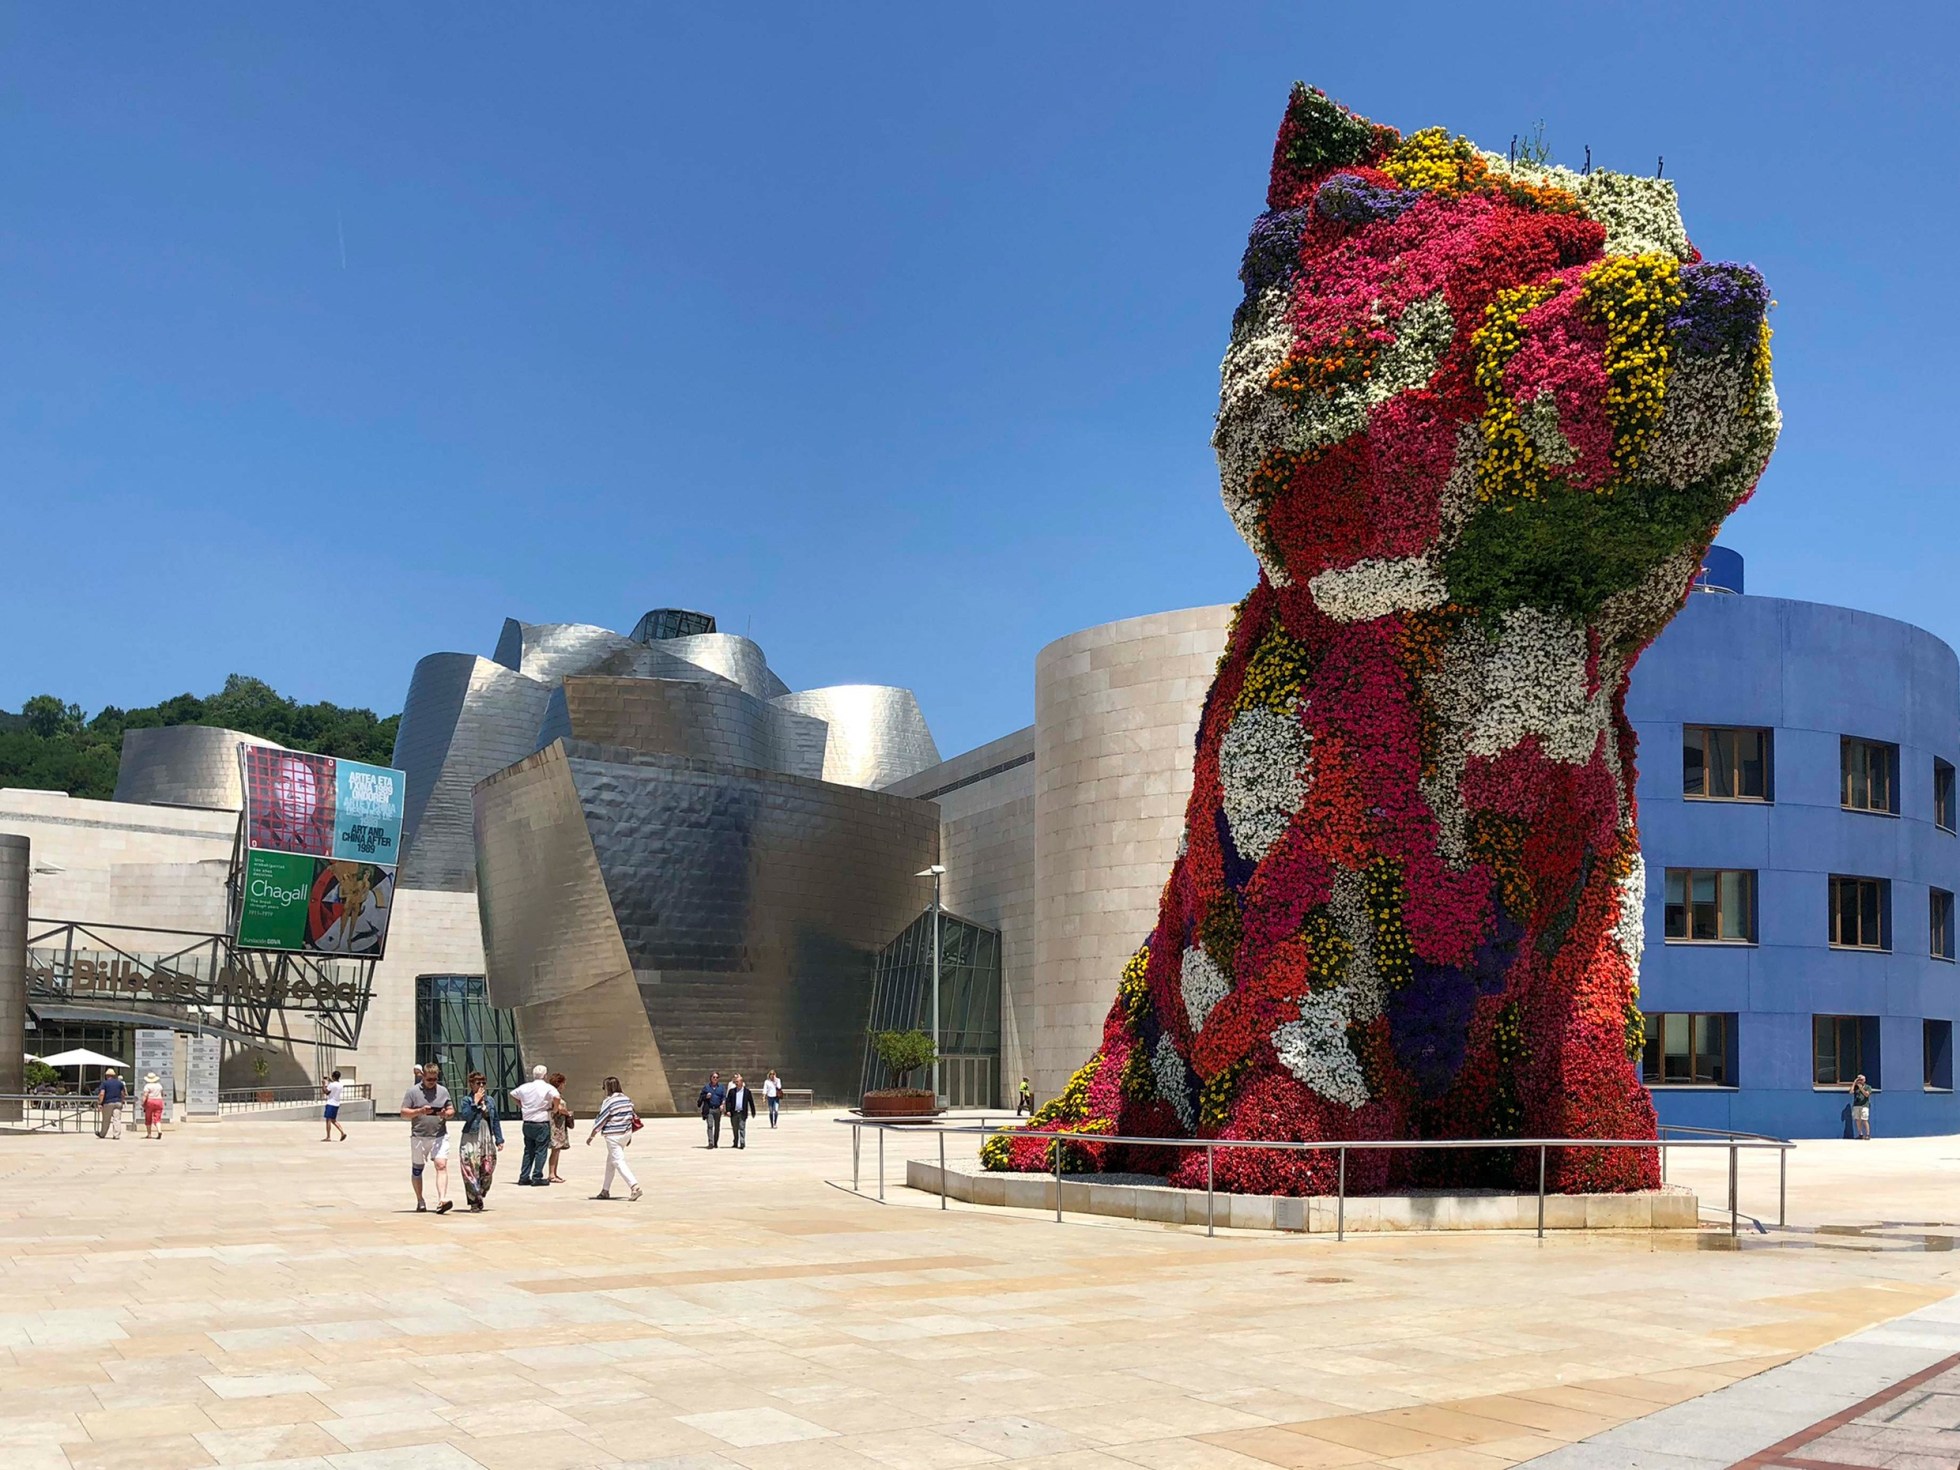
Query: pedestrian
<point x="616" y="1120"/>
<point x="534" y="1100"/>
<point x="427" y="1107"/>
<point x="772" y="1093"/>
<point x="1861" y="1106"/>
<point x="332" y="1090"/>
<point x="1025" y="1102"/>
<point x="152" y="1106"/>
<point x="740" y="1106"/>
<point x="109" y="1095"/>
<point x="713" y="1095"/>
<point x="483" y="1140"/>
<point x="561" y="1127"/>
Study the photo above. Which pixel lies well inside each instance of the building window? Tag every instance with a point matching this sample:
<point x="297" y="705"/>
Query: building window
<point x="1861" y="916"/>
<point x="1843" y="1047"/>
<point x="1687" y="1049"/>
<point x="1870" y="773"/>
<point x="1940" y="923"/>
<point x="1714" y="904"/>
<point x="456" y="1025"/>
<point x="1943" y="794"/>
<point x="1937" y="1053"/>
<point x="1719" y="763"/>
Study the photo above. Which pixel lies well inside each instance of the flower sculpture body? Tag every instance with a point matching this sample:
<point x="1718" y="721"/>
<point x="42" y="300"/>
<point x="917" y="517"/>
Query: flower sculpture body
<point x="1479" y="421"/>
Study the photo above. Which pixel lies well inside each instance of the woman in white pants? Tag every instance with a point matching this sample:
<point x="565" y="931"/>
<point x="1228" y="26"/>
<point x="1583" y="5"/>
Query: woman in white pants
<point x="615" y="1119"/>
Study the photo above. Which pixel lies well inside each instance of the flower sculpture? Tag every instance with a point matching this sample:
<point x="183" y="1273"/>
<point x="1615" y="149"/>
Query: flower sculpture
<point x="1479" y="421"/>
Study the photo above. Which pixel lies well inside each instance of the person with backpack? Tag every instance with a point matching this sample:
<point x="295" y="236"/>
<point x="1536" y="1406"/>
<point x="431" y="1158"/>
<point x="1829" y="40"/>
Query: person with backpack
<point x="617" y="1121"/>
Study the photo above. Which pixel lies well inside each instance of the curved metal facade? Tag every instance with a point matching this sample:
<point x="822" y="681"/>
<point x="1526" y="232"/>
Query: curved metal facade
<point x="878" y="733"/>
<point x="712" y="721"/>
<point x="465" y="718"/>
<point x="183" y="765"/>
<point x="751" y="906"/>
<point x="730" y="655"/>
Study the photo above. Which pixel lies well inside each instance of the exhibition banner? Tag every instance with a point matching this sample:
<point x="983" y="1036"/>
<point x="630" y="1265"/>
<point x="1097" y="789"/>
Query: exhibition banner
<point x="322" y="837"/>
<point x="368" y="803"/>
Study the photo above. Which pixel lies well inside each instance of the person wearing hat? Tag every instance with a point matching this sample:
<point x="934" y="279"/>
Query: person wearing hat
<point x="152" y="1106"/>
<point x="109" y="1095"/>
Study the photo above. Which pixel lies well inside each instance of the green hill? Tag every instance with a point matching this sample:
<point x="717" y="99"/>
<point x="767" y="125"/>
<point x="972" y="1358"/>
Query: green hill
<point x="54" y="746"/>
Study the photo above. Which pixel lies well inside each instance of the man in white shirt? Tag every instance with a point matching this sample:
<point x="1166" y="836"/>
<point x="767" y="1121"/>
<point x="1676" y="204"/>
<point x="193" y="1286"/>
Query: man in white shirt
<point x="535" y="1099"/>
<point x="332" y="1090"/>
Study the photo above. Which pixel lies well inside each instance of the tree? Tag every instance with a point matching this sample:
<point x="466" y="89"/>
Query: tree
<point x="904" y="1052"/>
<point x="47" y="716"/>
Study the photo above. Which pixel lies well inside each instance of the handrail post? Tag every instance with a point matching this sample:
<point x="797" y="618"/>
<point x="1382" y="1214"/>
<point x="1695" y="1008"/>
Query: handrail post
<point x="881" y="1161"/>
<point x="1340" y="1200"/>
<point x="1058" y="1181"/>
<point x="1209" y="1223"/>
<point x="1541" y="1191"/>
<point x="857" y="1145"/>
<point x="1732" y="1209"/>
<point x="1782" y="1177"/>
<point x="943" y="1185"/>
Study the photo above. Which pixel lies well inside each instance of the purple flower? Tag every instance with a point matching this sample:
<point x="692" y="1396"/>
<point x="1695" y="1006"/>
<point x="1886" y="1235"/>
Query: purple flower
<point x="1721" y="309"/>
<point x="1272" y="251"/>
<point x="1354" y="201"/>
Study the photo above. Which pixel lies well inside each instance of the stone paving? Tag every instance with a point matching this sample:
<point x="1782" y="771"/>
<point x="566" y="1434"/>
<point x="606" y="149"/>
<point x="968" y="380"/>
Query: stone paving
<point x="242" y="1294"/>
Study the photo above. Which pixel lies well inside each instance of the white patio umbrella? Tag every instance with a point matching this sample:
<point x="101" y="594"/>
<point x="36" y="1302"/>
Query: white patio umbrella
<point x="82" y="1057"/>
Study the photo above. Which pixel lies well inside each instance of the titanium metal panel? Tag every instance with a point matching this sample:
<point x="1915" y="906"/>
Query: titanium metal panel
<point x="878" y="734"/>
<point x="751" y="906"/>
<point x="733" y="657"/>
<point x="465" y="718"/>
<point x="707" y="719"/>
<point x="183" y="765"/>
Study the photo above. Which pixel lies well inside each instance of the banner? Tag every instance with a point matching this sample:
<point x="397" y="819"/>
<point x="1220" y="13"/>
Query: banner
<point x="322" y="837"/>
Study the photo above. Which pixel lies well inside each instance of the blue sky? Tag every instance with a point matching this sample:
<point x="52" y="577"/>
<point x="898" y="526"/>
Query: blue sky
<point x="889" y="334"/>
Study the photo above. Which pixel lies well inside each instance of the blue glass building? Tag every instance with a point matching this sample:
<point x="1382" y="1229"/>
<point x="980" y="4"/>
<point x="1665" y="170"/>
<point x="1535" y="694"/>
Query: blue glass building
<point x="1797" y="817"/>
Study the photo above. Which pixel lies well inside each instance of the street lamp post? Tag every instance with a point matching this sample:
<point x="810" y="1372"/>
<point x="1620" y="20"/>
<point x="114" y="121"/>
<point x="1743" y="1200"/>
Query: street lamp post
<point x="935" y="872"/>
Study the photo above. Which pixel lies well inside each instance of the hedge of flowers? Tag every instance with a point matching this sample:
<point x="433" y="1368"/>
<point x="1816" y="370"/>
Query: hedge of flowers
<point x="1479" y="421"/>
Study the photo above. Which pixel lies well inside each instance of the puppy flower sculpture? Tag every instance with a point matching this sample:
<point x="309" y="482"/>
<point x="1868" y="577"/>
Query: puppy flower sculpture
<point x="1479" y="422"/>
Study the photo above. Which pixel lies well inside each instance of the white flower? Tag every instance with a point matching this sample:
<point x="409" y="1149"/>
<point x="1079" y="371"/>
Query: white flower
<point x="1539" y="420"/>
<point x="1203" y="986"/>
<point x="1532" y="681"/>
<point x="1377" y="587"/>
<point x="1315" y="1049"/>
<point x="1264" y="765"/>
<point x="1347" y="905"/>
<point x="1168" y="1070"/>
<point x="1705" y="420"/>
<point x="1642" y="215"/>
<point x="1630" y="927"/>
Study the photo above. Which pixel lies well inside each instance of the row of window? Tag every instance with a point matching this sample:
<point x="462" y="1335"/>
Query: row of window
<point x="1698" y="1048"/>
<point x="1718" y="906"/>
<point x="1730" y="763"/>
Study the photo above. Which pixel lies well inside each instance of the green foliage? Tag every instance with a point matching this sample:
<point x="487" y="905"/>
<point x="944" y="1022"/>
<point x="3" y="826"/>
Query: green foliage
<point x="905" y="1052"/>
<point x="52" y="746"/>
<point x="40" y="1074"/>
<point x="1532" y="147"/>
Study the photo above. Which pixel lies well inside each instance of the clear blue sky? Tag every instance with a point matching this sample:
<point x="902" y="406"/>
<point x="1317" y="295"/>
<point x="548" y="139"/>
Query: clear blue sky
<point x="888" y="334"/>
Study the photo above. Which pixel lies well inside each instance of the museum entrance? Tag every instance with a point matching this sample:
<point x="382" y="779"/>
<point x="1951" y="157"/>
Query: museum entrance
<point x="969" y="1006"/>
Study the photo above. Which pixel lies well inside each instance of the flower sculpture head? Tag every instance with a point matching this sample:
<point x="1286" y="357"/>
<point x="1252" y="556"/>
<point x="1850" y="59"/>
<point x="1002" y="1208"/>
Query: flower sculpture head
<point x="1479" y="421"/>
<point x="1456" y="378"/>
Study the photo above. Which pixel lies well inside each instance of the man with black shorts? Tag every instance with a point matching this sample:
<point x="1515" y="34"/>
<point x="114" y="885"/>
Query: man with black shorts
<point x="427" y="1108"/>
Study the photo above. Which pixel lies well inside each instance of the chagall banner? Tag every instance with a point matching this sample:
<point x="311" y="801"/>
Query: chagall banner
<point x="322" y="836"/>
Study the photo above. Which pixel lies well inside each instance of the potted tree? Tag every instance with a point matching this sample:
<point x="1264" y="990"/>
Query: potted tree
<point x="903" y="1053"/>
<point x="260" y="1068"/>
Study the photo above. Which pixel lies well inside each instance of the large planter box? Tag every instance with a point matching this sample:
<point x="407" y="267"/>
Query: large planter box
<point x="899" y="1102"/>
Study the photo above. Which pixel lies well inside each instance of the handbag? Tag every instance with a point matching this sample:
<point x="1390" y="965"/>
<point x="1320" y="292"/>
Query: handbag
<point x="637" y="1124"/>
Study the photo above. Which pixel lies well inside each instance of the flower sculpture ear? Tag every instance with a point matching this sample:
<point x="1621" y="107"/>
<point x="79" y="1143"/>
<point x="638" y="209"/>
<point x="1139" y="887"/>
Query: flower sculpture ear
<point x="1479" y="420"/>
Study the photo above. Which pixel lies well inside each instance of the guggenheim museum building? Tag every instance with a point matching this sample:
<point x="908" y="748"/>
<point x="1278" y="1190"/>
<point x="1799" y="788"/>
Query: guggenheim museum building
<point x="644" y="854"/>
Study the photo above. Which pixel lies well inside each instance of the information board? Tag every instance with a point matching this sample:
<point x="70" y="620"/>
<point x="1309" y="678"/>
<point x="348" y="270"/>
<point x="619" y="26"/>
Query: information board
<point x="201" y="1077"/>
<point x="156" y="1051"/>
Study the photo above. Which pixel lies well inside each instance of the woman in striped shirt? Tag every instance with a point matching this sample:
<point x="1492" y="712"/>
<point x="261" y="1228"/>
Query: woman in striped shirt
<point x="615" y="1120"/>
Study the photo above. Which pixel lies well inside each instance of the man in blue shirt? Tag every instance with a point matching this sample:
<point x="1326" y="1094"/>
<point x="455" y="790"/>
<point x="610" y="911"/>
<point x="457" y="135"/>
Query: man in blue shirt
<point x="109" y="1095"/>
<point x="713" y="1096"/>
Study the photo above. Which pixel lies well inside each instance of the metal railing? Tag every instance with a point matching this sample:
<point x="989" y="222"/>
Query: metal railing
<point x="56" y="1112"/>
<point x="254" y="1099"/>
<point x="1735" y="1143"/>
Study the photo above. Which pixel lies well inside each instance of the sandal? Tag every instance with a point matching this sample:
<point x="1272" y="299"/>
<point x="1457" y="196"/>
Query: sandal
<point x="636" y="1192"/>
<point x="445" y="1207"/>
<point x="421" y="1208"/>
<point x="602" y="1195"/>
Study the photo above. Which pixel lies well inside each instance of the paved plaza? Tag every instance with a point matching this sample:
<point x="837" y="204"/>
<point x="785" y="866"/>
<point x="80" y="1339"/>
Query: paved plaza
<point x="242" y="1294"/>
